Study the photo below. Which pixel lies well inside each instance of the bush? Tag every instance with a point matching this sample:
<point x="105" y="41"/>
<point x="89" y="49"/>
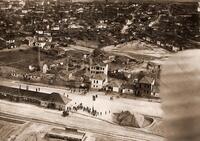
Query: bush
<point x="65" y="113"/>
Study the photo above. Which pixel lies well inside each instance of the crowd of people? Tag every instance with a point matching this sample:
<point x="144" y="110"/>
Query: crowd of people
<point x="89" y="110"/>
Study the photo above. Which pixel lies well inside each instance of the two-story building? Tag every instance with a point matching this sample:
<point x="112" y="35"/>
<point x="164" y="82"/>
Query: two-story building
<point x="145" y="86"/>
<point x="100" y="68"/>
<point x="98" y="81"/>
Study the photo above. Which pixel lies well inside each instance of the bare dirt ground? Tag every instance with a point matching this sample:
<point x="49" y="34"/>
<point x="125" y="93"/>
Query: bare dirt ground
<point x="31" y="131"/>
<point x="158" y="128"/>
<point x="9" y="128"/>
<point x="138" y="50"/>
<point x="22" y="47"/>
<point x="75" y="120"/>
<point x="34" y="132"/>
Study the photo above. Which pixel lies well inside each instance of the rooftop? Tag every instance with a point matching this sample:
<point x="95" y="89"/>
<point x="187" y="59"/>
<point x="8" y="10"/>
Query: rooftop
<point x="53" y="97"/>
<point x="69" y="134"/>
<point x="146" y="80"/>
<point x="99" y="76"/>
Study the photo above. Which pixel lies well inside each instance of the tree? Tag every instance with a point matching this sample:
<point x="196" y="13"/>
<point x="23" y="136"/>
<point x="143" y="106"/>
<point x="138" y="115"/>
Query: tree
<point x="65" y="113"/>
<point x="141" y="75"/>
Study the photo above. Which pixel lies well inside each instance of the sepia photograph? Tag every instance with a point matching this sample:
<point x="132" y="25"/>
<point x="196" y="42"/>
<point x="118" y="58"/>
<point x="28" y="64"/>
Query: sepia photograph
<point x="99" y="70"/>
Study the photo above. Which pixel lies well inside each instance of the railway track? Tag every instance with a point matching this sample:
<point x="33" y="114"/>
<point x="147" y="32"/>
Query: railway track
<point x="139" y="135"/>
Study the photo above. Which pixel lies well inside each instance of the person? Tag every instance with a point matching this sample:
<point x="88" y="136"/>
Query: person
<point x="180" y="94"/>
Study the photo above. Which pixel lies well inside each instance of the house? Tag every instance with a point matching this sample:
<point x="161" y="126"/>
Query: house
<point x="33" y="68"/>
<point x="58" y="51"/>
<point x="101" y="25"/>
<point x="11" y="44"/>
<point x="115" y="85"/>
<point x="31" y="41"/>
<point x="175" y="49"/>
<point x="99" y="68"/>
<point x="127" y="88"/>
<point x="40" y="44"/>
<point x="98" y="81"/>
<point x="145" y="86"/>
<point x="151" y="66"/>
<point x="45" y="68"/>
<point x="155" y="92"/>
<point x="55" y="28"/>
<point x="40" y="32"/>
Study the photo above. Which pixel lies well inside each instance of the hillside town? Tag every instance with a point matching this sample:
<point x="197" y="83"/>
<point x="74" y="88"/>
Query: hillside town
<point x="64" y="63"/>
<point x="51" y="27"/>
<point x="52" y="23"/>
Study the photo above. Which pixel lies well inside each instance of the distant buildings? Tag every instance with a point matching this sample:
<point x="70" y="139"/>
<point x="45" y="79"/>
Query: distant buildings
<point x="198" y="7"/>
<point x="77" y="22"/>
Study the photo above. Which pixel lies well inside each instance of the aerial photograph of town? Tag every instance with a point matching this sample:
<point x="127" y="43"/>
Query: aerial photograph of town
<point x="89" y="70"/>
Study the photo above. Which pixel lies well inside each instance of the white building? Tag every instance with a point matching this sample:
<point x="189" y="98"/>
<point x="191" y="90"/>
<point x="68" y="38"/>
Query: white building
<point x="175" y="48"/>
<point x="44" y="68"/>
<point x="98" y="81"/>
<point x="99" y="69"/>
<point x="40" y="44"/>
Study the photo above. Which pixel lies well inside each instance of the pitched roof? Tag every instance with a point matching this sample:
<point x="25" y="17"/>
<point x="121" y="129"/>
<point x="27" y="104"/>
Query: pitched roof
<point x="57" y="98"/>
<point x="99" y="76"/>
<point x="21" y="92"/>
<point x="146" y="80"/>
<point x="53" y="97"/>
<point x="116" y="83"/>
<point x="96" y="63"/>
<point x="69" y="134"/>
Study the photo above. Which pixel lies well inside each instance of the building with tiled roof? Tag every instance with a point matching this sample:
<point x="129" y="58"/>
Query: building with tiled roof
<point x="53" y="100"/>
<point x="128" y="88"/>
<point x="146" y="80"/>
<point x="145" y="86"/>
<point x="99" y="68"/>
<point x="98" y="81"/>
